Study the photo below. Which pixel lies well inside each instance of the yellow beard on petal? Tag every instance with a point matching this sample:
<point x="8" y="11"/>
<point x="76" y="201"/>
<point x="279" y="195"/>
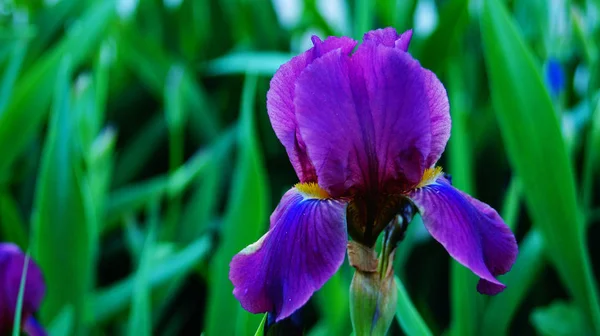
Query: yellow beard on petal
<point x="312" y="190"/>
<point x="429" y="176"/>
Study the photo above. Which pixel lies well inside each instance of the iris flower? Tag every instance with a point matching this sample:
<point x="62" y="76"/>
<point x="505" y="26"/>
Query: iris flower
<point x="12" y="261"/>
<point x="363" y="130"/>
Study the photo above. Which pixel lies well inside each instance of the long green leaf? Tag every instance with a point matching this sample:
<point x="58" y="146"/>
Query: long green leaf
<point x="502" y="308"/>
<point x="62" y="238"/>
<point x="244" y="221"/>
<point x="19" y="307"/>
<point x="536" y="150"/>
<point x="407" y="315"/>
<point x="140" y="316"/>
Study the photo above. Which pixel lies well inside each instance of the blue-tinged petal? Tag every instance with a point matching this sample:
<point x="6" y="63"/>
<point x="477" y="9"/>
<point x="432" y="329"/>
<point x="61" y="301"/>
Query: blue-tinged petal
<point x="33" y="328"/>
<point x="304" y="247"/>
<point x="280" y="102"/>
<point x="471" y="231"/>
<point x="12" y="261"/>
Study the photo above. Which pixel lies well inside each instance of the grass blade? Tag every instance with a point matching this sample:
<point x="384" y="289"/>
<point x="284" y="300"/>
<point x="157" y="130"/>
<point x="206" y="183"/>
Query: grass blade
<point x="261" y="327"/>
<point x="19" y="307"/>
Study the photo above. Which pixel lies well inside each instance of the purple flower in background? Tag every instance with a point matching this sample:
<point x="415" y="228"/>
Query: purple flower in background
<point x="363" y="131"/>
<point x="12" y="261"/>
<point x="555" y="76"/>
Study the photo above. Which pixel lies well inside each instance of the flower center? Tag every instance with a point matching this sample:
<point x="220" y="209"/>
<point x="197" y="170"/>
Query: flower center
<point x="312" y="190"/>
<point x="429" y="176"/>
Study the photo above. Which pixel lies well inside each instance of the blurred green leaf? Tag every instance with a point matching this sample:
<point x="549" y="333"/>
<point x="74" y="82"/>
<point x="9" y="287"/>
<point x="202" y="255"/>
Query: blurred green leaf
<point x="407" y="315"/>
<point x="245" y="218"/>
<point x="62" y="325"/>
<point x="136" y="153"/>
<point x="453" y="21"/>
<point x="363" y="17"/>
<point x="11" y="72"/>
<point x="130" y="198"/>
<point x="533" y="138"/>
<point x="502" y="308"/>
<point x="512" y="202"/>
<point x="12" y="227"/>
<point x="333" y="303"/>
<point x="236" y="63"/>
<point x="59" y="215"/>
<point x="152" y="65"/>
<point x="107" y="302"/>
<point x="591" y="158"/>
<point x="465" y="302"/>
<point x="559" y="319"/>
<point x="176" y="118"/>
<point x="141" y="309"/>
<point x="17" y="129"/>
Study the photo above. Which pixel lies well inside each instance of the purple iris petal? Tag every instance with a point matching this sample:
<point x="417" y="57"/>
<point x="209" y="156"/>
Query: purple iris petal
<point x="439" y="110"/>
<point x="365" y="119"/>
<point x="471" y="231"/>
<point x="280" y="102"/>
<point x="304" y="247"/>
<point x="389" y="38"/>
<point x="12" y="261"/>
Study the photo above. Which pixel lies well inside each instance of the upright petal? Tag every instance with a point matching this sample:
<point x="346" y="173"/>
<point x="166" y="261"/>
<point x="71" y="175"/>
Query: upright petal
<point x="436" y="93"/>
<point x="471" y="231"/>
<point x="389" y="38"/>
<point x="365" y="120"/>
<point x="304" y="247"/>
<point x="439" y="110"/>
<point x="12" y="261"/>
<point x="280" y="102"/>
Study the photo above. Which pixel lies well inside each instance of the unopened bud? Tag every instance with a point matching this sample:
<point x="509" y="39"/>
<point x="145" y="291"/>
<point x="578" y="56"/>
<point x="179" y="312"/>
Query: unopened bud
<point x="373" y="293"/>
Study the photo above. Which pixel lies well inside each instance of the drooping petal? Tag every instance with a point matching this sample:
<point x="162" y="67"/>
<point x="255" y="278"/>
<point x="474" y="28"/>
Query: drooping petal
<point x="12" y="261"/>
<point x="471" y="231"/>
<point x="365" y="119"/>
<point x="304" y="247"/>
<point x="280" y="102"/>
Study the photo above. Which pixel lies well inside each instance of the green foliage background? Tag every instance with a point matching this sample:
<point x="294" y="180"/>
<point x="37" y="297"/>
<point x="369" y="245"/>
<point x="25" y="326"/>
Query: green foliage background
<point x="136" y="158"/>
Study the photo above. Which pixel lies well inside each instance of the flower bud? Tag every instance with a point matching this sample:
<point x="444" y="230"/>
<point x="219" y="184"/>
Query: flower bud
<point x="373" y="293"/>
